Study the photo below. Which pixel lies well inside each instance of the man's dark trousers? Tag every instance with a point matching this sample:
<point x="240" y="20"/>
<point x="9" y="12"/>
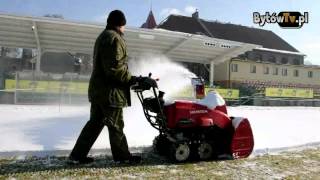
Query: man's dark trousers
<point x="101" y="115"/>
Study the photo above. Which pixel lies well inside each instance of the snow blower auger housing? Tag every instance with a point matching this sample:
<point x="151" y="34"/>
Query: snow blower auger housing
<point x="194" y="129"/>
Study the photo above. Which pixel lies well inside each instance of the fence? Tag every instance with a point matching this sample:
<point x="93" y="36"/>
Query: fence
<point x="70" y="88"/>
<point x="31" y="88"/>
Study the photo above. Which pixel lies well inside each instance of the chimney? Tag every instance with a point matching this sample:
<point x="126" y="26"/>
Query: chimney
<point x="196" y="14"/>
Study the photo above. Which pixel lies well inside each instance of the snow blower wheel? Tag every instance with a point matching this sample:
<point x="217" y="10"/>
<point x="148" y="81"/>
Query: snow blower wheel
<point x="180" y="152"/>
<point x="160" y="143"/>
<point x="205" y="151"/>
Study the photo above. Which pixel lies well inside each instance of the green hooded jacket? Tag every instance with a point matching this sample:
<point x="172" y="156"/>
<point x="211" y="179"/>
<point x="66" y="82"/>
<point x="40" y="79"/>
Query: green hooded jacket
<point x="110" y="80"/>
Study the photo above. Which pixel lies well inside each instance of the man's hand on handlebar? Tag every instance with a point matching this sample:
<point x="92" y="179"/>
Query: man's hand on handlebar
<point x="144" y="83"/>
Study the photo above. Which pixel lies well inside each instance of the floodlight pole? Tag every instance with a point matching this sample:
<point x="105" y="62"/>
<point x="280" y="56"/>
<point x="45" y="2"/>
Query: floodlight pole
<point x="36" y="35"/>
<point x="16" y="87"/>
<point x="211" y="73"/>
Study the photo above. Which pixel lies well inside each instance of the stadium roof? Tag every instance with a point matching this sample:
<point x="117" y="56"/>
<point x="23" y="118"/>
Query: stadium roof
<point x="59" y="35"/>
<point x="52" y="34"/>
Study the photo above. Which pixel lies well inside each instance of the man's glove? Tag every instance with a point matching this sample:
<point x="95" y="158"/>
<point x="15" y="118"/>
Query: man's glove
<point x="146" y="83"/>
<point x="133" y="80"/>
<point x="143" y="83"/>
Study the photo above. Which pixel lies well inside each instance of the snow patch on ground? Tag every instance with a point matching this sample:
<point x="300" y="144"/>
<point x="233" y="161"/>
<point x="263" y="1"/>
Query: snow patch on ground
<point x="50" y="127"/>
<point x="278" y="127"/>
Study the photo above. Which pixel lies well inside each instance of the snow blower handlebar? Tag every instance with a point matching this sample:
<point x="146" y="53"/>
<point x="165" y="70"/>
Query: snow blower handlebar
<point x="152" y="106"/>
<point x="145" y="83"/>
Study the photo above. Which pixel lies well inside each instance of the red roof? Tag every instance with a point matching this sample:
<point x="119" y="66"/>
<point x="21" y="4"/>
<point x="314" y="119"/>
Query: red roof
<point x="150" y="23"/>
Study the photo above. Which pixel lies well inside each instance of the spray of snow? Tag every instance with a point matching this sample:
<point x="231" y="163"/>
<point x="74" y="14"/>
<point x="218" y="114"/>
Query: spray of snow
<point x="173" y="76"/>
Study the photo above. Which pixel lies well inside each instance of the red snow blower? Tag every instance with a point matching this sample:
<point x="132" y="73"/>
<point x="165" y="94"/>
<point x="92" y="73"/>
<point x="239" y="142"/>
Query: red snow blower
<point x="198" y="129"/>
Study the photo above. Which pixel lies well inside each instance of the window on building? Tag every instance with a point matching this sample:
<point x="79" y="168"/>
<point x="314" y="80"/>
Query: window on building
<point x="234" y="67"/>
<point x="284" y="72"/>
<point x="253" y="68"/>
<point x="246" y="54"/>
<point x="310" y="74"/>
<point x="284" y="60"/>
<point x="258" y="57"/>
<point x="296" y="61"/>
<point x="266" y="70"/>
<point x="242" y="56"/>
<point x="272" y="59"/>
<point x="296" y="73"/>
<point x="275" y="71"/>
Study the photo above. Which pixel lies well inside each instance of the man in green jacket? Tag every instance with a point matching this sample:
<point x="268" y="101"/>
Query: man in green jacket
<point x="109" y="92"/>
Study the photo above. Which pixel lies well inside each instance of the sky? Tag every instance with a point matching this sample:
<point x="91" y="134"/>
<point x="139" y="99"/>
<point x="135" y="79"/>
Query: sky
<point x="305" y="39"/>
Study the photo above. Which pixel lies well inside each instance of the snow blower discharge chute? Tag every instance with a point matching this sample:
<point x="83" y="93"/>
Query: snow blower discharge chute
<point x="198" y="129"/>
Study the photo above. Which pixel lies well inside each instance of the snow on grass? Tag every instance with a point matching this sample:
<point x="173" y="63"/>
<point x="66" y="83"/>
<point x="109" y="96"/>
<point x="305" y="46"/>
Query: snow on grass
<point x="276" y="127"/>
<point x="286" y="165"/>
<point x="50" y="127"/>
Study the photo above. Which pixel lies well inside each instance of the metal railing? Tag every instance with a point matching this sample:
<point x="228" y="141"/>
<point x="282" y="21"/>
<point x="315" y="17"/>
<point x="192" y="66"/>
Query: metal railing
<point x="30" y="88"/>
